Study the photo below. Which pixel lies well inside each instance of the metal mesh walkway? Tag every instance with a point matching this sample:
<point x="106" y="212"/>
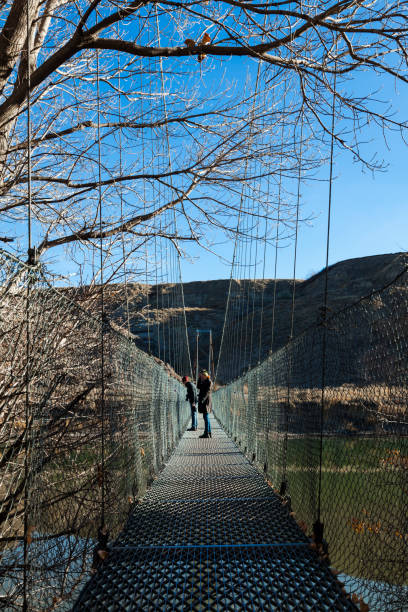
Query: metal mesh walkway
<point x="210" y="534"/>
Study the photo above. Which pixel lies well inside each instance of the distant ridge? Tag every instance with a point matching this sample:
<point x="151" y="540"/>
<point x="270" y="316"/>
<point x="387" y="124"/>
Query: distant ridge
<point x="205" y="302"/>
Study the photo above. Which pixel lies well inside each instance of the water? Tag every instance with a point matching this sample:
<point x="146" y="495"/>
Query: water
<point x="58" y="571"/>
<point x="380" y="596"/>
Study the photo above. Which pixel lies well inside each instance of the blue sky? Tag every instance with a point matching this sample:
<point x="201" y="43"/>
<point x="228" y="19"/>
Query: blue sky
<point x="369" y="217"/>
<point x="369" y="214"/>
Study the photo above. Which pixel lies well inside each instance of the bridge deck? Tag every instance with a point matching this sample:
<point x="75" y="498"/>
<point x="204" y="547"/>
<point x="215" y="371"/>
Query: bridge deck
<point x="210" y="534"/>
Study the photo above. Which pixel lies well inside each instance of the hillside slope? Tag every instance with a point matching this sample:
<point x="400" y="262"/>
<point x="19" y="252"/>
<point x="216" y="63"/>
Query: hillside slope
<point x="205" y="303"/>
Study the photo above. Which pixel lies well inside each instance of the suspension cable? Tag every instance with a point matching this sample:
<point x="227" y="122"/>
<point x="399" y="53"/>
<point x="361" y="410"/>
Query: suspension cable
<point x="292" y="312"/>
<point x="235" y="251"/>
<point x="157" y="299"/>
<point x="31" y="260"/>
<point x="299" y="180"/>
<point x="146" y="270"/>
<point x="254" y="282"/>
<point x="189" y="365"/>
<point x="277" y="237"/>
<point x="102" y="293"/>
<point x="265" y="241"/>
<point x="121" y="190"/>
<point x="234" y="255"/>
<point x="326" y="281"/>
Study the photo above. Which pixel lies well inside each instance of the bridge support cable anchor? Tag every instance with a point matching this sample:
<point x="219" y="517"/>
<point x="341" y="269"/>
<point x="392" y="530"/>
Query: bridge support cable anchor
<point x="318" y="529"/>
<point x="101" y="550"/>
<point x="283" y="488"/>
<point x="322" y="546"/>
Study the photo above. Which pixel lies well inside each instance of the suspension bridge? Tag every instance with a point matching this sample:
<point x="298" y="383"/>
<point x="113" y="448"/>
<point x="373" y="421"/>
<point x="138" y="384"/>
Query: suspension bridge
<point x="298" y="501"/>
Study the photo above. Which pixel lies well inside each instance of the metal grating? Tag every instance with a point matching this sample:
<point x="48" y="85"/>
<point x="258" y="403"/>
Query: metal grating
<point x="208" y="488"/>
<point x="231" y="578"/>
<point x="204" y="522"/>
<point x="211" y="535"/>
<point x="207" y="469"/>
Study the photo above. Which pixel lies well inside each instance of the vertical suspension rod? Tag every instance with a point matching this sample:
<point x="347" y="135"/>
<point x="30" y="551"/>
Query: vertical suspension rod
<point x="121" y="192"/>
<point x="292" y="314"/>
<point x="189" y="365"/>
<point x="277" y="234"/>
<point x="102" y="293"/>
<point x="326" y="284"/>
<point x="196" y="368"/>
<point x="28" y="295"/>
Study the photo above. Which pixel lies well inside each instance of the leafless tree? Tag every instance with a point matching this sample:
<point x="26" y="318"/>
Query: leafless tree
<point x="164" y="112"/>
<point x="62" y="455"/>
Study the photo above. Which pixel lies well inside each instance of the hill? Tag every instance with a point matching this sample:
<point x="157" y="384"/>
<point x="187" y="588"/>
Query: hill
<point x="205" y="303"/>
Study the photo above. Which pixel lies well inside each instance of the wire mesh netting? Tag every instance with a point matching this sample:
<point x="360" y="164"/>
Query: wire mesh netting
<point x="82" y="434"/>
<point x="326" y="418"/>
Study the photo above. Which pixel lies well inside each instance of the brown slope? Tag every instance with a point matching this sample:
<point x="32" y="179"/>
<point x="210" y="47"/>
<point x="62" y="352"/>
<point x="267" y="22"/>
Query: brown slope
<point x="205" y="301"/>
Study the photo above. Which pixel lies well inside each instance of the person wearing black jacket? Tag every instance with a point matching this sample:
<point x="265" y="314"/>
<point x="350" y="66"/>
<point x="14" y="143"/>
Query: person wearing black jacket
<point x="204" y="385"/>
<point x="191" y="397"/>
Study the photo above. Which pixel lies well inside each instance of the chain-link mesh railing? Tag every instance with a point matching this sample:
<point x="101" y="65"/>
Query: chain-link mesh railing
<point x="78" y="442"/>
<point x="326" y="418"/>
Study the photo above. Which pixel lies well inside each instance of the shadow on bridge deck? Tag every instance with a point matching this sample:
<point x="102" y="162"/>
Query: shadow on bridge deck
<point x="210" y="534"/>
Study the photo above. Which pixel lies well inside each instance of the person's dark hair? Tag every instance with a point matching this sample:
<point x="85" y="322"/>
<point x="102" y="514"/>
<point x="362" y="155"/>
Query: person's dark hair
<point x="185" y="379"/>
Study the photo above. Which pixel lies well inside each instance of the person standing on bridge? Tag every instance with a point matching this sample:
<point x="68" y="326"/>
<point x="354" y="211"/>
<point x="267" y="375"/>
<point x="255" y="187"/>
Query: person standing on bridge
<point x="204" y="385"/>
<point x="191" y="397"/>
